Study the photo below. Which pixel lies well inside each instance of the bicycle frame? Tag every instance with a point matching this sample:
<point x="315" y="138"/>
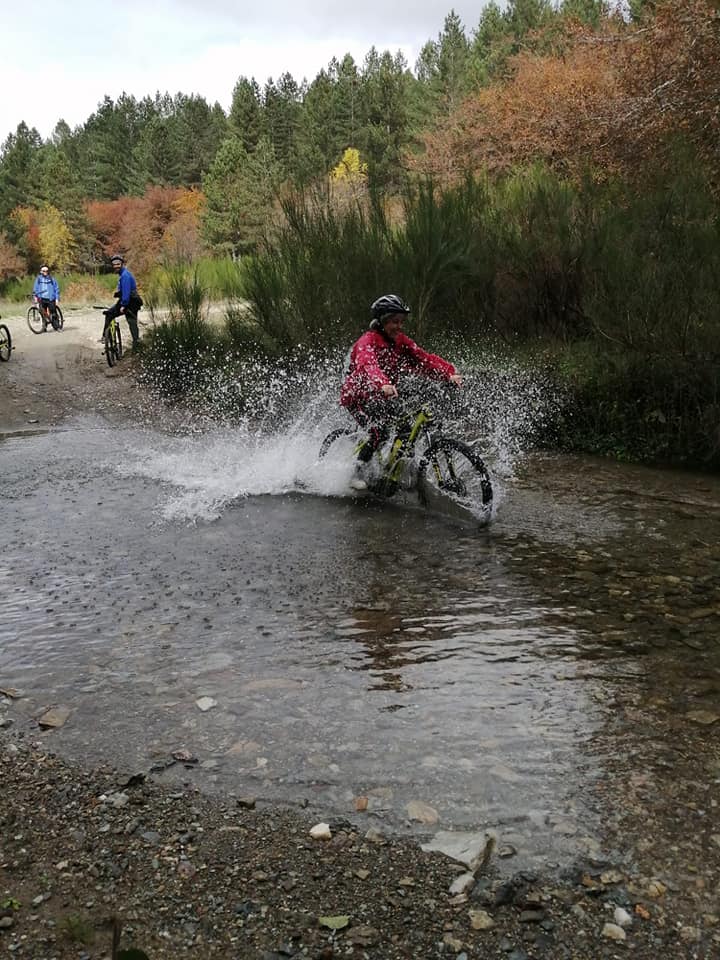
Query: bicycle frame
<point x="403" y="446"/>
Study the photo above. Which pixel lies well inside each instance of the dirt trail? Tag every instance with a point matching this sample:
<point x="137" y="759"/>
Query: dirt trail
<point x="53" y="374"/>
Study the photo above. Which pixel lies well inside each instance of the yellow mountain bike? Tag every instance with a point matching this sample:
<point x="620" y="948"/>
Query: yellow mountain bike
<point x="112" y="338"/>
<point x="420" y="456"/>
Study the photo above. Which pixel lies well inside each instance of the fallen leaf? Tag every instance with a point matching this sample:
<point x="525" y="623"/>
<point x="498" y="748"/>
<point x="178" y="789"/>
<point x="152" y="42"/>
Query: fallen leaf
<point x="706" y="717"/>
<point x="334" y="923"/>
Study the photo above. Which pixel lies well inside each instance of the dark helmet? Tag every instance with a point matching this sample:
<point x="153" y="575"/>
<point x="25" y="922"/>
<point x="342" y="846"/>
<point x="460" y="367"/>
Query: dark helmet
<point x="390" y="303"/>
<point x="117" y="258"/>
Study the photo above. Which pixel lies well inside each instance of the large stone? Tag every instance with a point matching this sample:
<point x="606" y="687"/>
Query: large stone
<point x="459" y="845"/>
<point x="422" y="812"/>
<point x="53" y="718"/>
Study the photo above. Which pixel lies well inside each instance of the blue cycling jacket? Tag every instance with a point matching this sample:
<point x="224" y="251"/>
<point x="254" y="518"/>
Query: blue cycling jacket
<point x="46" y="287"/>
<point x="126" y="286"/>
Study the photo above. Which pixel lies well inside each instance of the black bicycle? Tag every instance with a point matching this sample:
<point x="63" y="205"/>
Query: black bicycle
<point x="5" y="342"/>
<point x="40" y="316"/>
<point x="420" y="455"/>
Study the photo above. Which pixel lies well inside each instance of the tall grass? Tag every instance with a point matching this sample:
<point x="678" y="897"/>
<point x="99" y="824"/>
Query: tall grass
<point x="619" y="288"/>
<point x="222" y="279"/>
<point x="75" y="288"/>
<point x="182" y="346"/>
<point x="627" y="280"/>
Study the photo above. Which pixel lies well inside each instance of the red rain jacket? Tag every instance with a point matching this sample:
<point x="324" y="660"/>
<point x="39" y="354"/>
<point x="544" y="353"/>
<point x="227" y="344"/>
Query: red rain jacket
<point x="375" y="360"/>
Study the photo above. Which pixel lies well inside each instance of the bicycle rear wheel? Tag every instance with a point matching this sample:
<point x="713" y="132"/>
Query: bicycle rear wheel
<point x="332" y="437"/>
<point x="118" y="341"/>
<point x="5" y="342"/>
<point x="454" y="468"/>
<point x="35" y="320"/>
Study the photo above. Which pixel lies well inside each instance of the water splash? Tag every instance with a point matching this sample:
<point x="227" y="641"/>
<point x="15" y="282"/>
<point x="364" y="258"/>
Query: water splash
<point x="255" y="429"/>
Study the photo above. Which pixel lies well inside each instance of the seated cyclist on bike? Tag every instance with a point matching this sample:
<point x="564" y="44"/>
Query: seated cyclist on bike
<point x="377" y="360"/>
<point x="46" y="293"/>
<point x="128" y="300"/>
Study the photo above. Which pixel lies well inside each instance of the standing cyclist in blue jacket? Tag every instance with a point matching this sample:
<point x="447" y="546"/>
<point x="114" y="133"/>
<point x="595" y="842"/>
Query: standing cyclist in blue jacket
<point x="128" y="301"/>
<point x="47" y="294"/>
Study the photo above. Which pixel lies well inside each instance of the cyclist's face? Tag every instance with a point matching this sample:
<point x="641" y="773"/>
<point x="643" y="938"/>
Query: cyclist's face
<point x="393" y="323"/>
<point x="44" y="271"/>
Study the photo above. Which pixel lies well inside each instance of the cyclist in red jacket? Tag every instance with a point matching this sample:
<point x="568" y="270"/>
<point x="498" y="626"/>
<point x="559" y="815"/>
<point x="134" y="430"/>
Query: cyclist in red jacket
<point x="377" y="360"/>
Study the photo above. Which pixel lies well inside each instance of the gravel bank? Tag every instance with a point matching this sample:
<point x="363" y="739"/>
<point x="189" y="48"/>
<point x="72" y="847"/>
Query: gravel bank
<point x="189" y="875"/>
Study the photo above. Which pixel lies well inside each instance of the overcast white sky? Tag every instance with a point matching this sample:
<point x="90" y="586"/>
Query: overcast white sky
<point x="59" y="59"/>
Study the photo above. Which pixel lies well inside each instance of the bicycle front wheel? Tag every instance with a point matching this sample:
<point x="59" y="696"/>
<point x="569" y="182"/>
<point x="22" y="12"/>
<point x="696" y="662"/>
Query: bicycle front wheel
<point x="118" y="341"/>
<point x="35" y="320"/>
<point x="60" y="322"/>
<point x="454" y="468"/>
<point x="5" y="342"/>
<point x="109" y="342"/>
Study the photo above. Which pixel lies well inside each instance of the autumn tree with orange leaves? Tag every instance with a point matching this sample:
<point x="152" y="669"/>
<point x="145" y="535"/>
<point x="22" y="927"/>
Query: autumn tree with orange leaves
<point x="613" y="100"/>
<point x="161" y="225"/>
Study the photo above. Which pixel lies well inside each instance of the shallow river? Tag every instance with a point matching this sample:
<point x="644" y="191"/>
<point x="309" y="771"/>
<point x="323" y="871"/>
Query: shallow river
<point x="351" y="649"/>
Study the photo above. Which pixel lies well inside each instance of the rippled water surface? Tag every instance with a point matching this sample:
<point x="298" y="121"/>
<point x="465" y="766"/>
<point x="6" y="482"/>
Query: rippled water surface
<point x="351" y="648"/>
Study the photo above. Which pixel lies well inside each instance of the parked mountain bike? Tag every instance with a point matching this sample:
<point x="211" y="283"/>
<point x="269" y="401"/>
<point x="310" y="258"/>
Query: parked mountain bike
<point x="5" y="342"/>
<point x="39" y="317"/>
<point x="420" y="456"/>
<point x="112" y="338"/>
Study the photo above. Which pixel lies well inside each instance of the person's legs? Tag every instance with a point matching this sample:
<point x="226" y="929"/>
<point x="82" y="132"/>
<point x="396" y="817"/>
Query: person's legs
<point x="372" y="416"/>
<point x="45" y="313"/>
<point x="133" y="324"/>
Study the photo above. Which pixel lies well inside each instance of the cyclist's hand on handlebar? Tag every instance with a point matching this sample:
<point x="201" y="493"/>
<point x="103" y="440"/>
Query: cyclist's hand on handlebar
<point x="389" y="390"/>
<point x="456" y="379"/>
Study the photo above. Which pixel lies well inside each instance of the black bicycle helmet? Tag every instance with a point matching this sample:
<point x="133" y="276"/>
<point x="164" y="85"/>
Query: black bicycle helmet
<point x="117" y="258"/>
<point x="389" y="304"/>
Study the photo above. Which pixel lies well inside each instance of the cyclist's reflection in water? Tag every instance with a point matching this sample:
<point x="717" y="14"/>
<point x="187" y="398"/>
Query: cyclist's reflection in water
<point x="391" y="643"/>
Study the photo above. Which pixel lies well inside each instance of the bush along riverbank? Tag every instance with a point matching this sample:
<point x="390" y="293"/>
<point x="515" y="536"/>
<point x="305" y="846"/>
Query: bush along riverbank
<point x="606" y="290"/>
<point x="571" y="398"/>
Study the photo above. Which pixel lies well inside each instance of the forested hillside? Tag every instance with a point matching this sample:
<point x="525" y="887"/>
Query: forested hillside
<point x="173" y="176"/>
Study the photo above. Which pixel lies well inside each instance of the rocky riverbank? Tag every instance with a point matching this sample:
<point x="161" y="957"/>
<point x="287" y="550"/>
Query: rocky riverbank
<point x="179" y="874"/>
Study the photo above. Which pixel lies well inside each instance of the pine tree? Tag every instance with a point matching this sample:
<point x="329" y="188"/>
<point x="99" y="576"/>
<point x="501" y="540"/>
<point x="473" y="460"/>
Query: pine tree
<point x="385" y="95"/>
<point x="282" y="111"/>
<point x="587" y="11"/>
<point x="444" y="66"/>
<point x="18" y="160"/>
<point x="319" y="144"/>
<point x="240" y="190"/>
<point x="246" y="116"/>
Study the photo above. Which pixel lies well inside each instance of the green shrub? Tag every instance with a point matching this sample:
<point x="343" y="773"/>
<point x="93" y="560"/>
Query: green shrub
<point x="638" y="407"/>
